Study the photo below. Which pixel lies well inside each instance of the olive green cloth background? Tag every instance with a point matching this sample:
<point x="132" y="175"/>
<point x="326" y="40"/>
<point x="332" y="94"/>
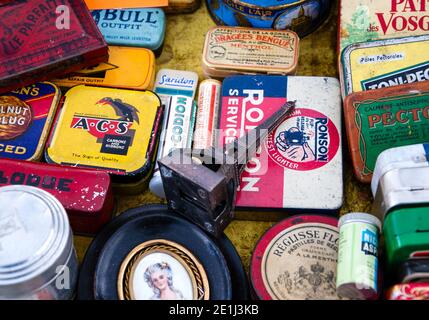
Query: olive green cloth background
<point x="183" y="49"/>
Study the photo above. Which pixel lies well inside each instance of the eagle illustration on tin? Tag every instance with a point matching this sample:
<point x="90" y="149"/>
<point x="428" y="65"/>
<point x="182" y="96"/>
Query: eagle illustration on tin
<point x="122" y="109"/>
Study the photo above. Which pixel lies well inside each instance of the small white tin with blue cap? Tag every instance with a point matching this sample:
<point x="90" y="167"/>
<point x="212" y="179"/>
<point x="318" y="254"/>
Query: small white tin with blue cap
<point x="142" y="27"/>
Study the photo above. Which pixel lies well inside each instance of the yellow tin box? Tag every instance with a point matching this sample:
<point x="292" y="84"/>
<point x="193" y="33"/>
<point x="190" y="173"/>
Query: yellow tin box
<point x="114" y="130"/>
<point x="128" y="68"/>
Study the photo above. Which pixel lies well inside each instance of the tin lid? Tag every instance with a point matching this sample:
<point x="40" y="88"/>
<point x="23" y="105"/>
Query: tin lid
<point x="297" y="259"/>
<point x="171" y="82"/>
<point x="230" y="50"/>
<point x="26" y="116"/>
<point x="128" y="68"/>
<point x="139" y="27"/>
<point x="399" y="187"/>
<point x="416" y="155"/>
<point x="151" y="225"/>
<point x="359" y="217"/>
<point x="114" y="130"/>
<point x="35" y="238"/>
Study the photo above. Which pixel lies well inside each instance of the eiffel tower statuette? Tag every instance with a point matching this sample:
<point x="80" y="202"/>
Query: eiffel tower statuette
<point x="202" y="184"/>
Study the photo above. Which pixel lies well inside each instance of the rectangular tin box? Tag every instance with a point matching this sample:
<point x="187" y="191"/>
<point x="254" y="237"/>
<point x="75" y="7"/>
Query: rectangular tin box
<point x="384" y="63"/>
<point x="85" y="194"/>
<point x="113" y="130"/>
<point x="381" y="119"/>
<point x="140" y="27"/>
<point x="229" y="50"/>
<point x="26" y="117"/>
<point x="127" y="68"/>
<point x="365" y="20"/>
<point x="299" y="166"/>
<point x="416" y="155"/>
<point x="409" y="291"/>
<point x="36" y="43"/>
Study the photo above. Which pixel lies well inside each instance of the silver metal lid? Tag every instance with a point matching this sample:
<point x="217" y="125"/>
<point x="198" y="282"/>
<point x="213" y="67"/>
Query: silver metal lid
<point x="415" y="155"/>
<point x="35" y="238"/>
<point x="401" y="186"/>
<point x="359" y="217"/>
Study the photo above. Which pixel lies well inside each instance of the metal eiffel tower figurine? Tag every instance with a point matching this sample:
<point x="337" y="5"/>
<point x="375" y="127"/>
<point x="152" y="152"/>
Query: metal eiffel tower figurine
<point x="202" y="184"/>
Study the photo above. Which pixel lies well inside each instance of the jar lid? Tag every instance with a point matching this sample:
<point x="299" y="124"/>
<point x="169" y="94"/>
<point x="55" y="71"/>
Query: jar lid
<point x="359" y="217"/>
<point x="35" y="238"/>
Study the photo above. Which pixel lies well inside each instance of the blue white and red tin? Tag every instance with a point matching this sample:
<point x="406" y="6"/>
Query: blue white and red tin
<point x="301" y="16"/>
<point x="299" y="166"/>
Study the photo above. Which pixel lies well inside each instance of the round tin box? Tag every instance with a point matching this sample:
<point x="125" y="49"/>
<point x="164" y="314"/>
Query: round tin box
<point x="113" y="130"/>
<point x="124" y="259"/>
<point x="296" y="259"/>
<point x="37" y="257"/>
<point x="301" y="16"/>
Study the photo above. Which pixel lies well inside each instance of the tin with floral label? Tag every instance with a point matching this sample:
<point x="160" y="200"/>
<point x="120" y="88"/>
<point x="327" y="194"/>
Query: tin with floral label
<point x="299" y="165"/>
<point x="384" y="63"/>
<point x="229" y="51"/>
<point x="26" y="117"/>
<point x="140" y="27"/>
<point x="113" y="130"/>
<point x="381" y="119"/>
<point x="85" y="194"/>
<point x="128" y="68"/>
<point x="296" y="259"/>
<point x="409" y="291"/>
<point x="300" y="16"/>
<point x="365" y="20"/>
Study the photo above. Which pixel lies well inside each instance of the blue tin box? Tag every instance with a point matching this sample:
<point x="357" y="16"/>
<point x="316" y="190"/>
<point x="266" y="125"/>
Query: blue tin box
<point x="301" y="16"/>
<point x="143" y="27"/>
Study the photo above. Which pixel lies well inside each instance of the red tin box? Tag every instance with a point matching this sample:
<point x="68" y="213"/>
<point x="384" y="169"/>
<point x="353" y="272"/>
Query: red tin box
<point x="85" y="194"/>
<point x="43" y="39"/>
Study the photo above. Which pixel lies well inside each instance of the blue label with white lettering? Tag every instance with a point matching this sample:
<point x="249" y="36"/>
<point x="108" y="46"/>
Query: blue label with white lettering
<point x="132" y="27"/>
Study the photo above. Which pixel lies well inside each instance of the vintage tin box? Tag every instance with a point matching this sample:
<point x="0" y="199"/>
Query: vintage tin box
<point x="299" y="166"/>
<point x="85" y="194"/>
<point x="416" y="155"/>
<point x="384" y="63"/>
<point x="37" y="257"/>
<point x="414" y="271"/>
<point x="128" y="68"/>
<point x="26" y="116"/>
<point x="296" y="259"/>
<point x="409" y="291"/>
<point x="229" y="51"/>
<point x="301" y="16"/>
<point x="149" y="238"/>
<point x="182" y="6"/>
<point x="364" y="20"/>
<point x="382" y="119"/>
<point x="113" y="130"/>
<point x="43" y="39"/>
<point x="140" y="27"/>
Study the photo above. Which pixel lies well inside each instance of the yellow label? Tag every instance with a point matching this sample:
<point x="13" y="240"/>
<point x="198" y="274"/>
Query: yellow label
<point x="132" y="68"/>
<point x="381" y="66"/>
<point x="105" y="128"/>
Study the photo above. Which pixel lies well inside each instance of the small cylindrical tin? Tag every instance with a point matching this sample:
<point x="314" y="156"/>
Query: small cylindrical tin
<point x="37" y="257"/>
<point x="357" y="267"/>
<point x="138" y="27"/>
<point x="416" y="155"/>
<point x="229" y="51"/>
<point x="207" y="114"/>
<point x="301" y="16"/>
<point x="409" y="291"/>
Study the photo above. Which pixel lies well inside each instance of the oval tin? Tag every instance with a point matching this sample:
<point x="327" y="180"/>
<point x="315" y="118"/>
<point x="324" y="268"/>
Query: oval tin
<point x="301" y="16"/>
<point x="114" y="130"/>
<point x="381" y="119"/>
<point x="140" y="27"/>
<point x="299" y="166"/>
<point x="127" y="68"/>
<point x="26" y="116"/>
<point x="229" y="50"/>
<point x="296" y="259"/>
<point x="85" y="194"/>
<point x="155" y="224"/>
<point x="384" y="63"/>
<point x="416" y="155"/>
